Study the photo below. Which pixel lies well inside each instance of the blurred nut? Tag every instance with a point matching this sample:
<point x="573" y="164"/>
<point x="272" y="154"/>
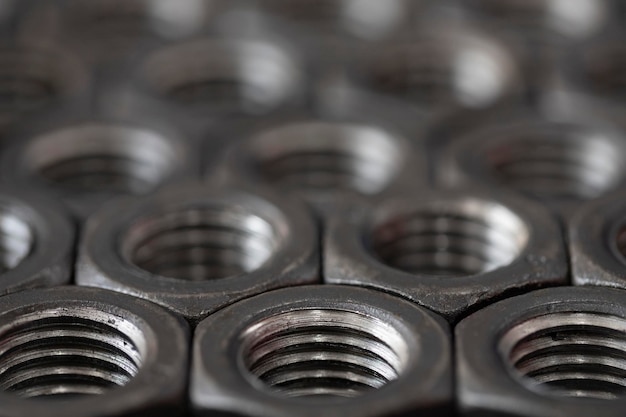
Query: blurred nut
<point x="195" y="249"/>
<point x="451" y="251"/>
<point x="37" y="244"/>
<point x="81" y="352"/>
<point x="553" y="352"/>
<point x="325" y="160"/>
<point x="322" y="350"/>
<point x="86" y="162"/>
<point x="558" y="162"/>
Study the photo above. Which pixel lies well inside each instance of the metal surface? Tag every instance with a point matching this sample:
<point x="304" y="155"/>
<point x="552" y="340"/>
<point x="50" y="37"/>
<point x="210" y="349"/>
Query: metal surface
<point x="322" y="350"/>
<point x="195" y="249"/>
<point x="85" y="161"/>
<point x="329" y="161"/>
<point x="451" y="251"/>
<point x="558" y="161"/>
<point x="71" y="351"/>
<point x="553" y="352"/>
<point x="597" y="242"/>
<point x="37" y="241"/>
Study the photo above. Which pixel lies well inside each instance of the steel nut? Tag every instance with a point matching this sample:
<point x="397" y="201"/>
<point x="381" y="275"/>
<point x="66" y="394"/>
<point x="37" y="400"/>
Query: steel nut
<point x="37" y="244"/>
<point x="70" y="351"/>
<point x="597" y="241"/>
<point x="451" y="251"/>
<point x="331" y="351"/>
<point x="195" y="249"/>
<point x="553" y="352"/>
<point x="85" y="161"/>
<point x="560" y="162"/>
<point x="325" y="160"/>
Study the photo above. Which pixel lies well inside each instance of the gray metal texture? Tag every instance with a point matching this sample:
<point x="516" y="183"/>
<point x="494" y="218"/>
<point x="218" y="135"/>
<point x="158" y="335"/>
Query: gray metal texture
<point x="71" y="352"/>
<point x="195" y="249"/>
<point x="597" y="242"/>
<point x="322" y="350"/>
<point x="451" y="251"/>
<point x="86" y="159"/>
<point x="551" y="353"/>
<point x="37" y="244"/>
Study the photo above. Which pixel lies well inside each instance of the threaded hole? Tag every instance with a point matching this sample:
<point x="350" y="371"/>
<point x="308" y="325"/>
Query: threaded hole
<point x="436" y="71"/>
<point x="201" y="243"/>
<point x="17" y="240"/>
<point x="570" y="354"/>
<point x="454" y="238"/>
<point x="245" y="76"/>
<point x="64" y="353"/>
<point x="571" y="163"/>
<point x="326" y="156"/>
<point x="101" y="158"/>
<point x="323" y="352"/>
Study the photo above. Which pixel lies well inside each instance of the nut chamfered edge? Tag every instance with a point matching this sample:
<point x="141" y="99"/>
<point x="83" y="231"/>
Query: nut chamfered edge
<point x="375" y="355"/>
<point x="94" y="349"/>
<point x="239" y="243"/>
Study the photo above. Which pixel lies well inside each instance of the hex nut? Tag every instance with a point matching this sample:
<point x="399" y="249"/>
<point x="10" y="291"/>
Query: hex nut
<point x="558" y="162"/>
<point x="435" y="70"/>
<point x="87" y="162"/>
<point x="301" y="351"/>
<point x="597" y="242"/>
<point x="552" y="352"/>
<point x="324" y="160"/>
<point x="452" y="251"/>
<point x="196" y="249"/>
<point x="102" y="353"/>
<point x="37" y="244"/>
<point x="251" y="77"/>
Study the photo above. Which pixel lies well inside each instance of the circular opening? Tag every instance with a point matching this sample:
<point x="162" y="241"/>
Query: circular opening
<point x="101" y="158"/>
<point x="202" y="243"/>
<point x="366" y="18"/>
<point x="234" y="75"/>
<point x="604" y="68"/>
<point x="68" y="352"/>
<point x="453" y="238"/>
<point x="444" y="69"/>
<point x="323" y="353"/>
<point x="326" y="156"/>
<point x="31" y="78"/>
<point x="575" y="18"/>
<point x="16" y="240"/>
<point x="570" y="354"/>
<point x="564" y="162"/>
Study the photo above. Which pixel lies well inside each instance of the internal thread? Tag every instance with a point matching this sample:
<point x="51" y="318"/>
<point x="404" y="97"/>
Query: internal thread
<point x="571" y="354"/>
<point x="471" y="238"/>
<point x="444" y="71"/>
<point x="99" y="158"/>
<point x="557" y="165"/>
<point x="248" y="76"/>
<point x="201" y="243"/>
<point x="319" y="156"/>
<point x="56" y="353"/>
<point x="16" y="240"/>
<point x="323" y="352"/>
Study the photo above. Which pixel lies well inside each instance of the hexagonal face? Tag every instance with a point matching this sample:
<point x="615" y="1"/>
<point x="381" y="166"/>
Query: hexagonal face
<point x="552" y="349"/>
<point x="451" y="251"/>
<point x="194" y="249"/>
<point x="322" y="350"/>
<point x="597" y="242"/>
